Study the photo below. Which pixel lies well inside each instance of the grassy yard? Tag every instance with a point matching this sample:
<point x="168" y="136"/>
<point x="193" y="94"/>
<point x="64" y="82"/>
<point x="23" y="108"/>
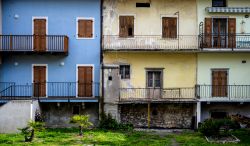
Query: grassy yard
<point x="110" y="138"/>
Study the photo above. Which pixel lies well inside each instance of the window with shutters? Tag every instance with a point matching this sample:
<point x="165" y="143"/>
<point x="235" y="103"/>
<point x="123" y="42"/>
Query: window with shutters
<point x="125" y="71"/>
<point x="85" y="28"/>
<point x="169" y="27"/>
<point x="126" y="26"/>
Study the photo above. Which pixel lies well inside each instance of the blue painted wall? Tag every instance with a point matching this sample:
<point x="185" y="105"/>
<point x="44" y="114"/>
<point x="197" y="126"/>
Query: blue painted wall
<point x="62" y="16"/>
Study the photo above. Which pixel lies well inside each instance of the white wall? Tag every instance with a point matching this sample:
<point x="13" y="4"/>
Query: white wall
<point x="202" y="13"/>
<point x="238" y="72"/>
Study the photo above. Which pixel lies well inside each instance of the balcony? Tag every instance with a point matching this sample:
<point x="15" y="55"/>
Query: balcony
<point x="157" y="95"/>
<point x="150" y="43"/>
<point x="237" y="93"/>
<point x="34" y="44"/>
<point x="50" y="91"/>
<point x="225" y="42"/>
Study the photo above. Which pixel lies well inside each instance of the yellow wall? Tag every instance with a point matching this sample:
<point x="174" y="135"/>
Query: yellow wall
<point x="148" y="20"/>
<point x="179" y="69"/>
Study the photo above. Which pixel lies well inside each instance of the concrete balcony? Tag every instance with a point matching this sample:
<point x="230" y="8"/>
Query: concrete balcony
<point x="132" y="95"/>
<point x="150" y="43"/>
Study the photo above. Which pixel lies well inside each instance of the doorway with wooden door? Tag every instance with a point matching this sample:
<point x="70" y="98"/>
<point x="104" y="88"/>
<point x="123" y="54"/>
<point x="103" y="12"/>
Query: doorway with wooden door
<point x="220" y="33"/>
<point x="154" y="84"/>
<point x="39" y="81"/>
<point x="85" y="81"/>
<point x="219" y="83"/>
<point x="39" y="35"/>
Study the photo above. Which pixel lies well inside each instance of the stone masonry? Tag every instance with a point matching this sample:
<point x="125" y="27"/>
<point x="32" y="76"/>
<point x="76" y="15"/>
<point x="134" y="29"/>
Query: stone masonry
<point x="162" y="115"/>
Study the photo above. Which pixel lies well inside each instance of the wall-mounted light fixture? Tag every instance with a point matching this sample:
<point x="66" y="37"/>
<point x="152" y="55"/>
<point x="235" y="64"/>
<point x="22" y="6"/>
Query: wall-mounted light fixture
<point x="16" y="16"/>
<point x="16" y="63"/>
<point x="62" y="64"/>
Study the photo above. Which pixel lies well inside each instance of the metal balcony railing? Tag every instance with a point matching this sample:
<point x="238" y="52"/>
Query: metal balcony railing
<point x="50" y="90"/>
<point x="227" y="92"/>
<point x="156" y="94"/>
<point x="234" y="42"/>
<point x="150" y="42"/>
<point x="34" y="44"/>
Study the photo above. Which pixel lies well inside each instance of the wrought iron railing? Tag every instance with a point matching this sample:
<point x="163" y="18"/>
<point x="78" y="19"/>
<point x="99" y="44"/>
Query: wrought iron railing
<point x="150" y="42"/>
<point x="150" y="94"/>
<point x="225" y="41"/>
<point x="34" y="43"/>
<point x="12" y="91"/>
<point x="228" y="92"/>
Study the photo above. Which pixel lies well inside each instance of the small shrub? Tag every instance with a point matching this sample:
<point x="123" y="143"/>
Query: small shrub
<point x="29" y="131"/>
<point x="82" y="121"/>
<point x="108" y="123"/>
<point x="217" y="127"/>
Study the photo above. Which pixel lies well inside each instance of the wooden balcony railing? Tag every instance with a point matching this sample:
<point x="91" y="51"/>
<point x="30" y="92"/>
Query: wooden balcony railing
<point x="150" y="42"/>
<point x="34" y="44"/>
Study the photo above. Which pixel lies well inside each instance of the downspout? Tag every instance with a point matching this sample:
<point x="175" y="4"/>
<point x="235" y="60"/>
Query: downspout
<point x="101" y="110"/>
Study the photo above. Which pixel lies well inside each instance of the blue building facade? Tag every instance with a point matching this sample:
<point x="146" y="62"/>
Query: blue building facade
<point x="61" y="19"/>
<point x="50" y="51"/>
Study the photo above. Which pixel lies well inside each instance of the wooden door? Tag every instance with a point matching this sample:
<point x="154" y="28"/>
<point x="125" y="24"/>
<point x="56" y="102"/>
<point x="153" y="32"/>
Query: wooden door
<point x="85" y="81"/>
<point x="39" y="37"/>
<point x="231" y="32"/>
<point x="219" y="83"/>
<point x="208" y="33"/>
<point x="154" y="84"/>
<point x="126" y="26"/>
<point x="169" y="27"/>
<point x="39" y="81"/>
<point x="220" y="33"/>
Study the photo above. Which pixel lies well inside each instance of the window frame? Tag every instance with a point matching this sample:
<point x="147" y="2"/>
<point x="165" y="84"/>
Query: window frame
<point x="124" y="71"/>
<point x="224" y="1"/>
<point x="177" y="26"/>
<point x="128" y="37"/>
<point x="93" y="27"/>
<point x="161" y="77"/>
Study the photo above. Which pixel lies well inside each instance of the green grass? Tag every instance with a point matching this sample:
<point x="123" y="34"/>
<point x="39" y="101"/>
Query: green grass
<point x="197" y="139"/>
<point x="94" y="137"/>
<point x="113" y="138"/>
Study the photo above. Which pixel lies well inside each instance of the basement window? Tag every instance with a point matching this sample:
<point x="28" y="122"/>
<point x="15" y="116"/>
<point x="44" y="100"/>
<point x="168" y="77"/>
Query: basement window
<point x="76" y="110"/>
<point x="218" y="115"/>
<point x="143" y="5"/>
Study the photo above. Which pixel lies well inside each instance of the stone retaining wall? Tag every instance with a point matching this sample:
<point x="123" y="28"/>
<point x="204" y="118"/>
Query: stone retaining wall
<point x="162" y="115"/>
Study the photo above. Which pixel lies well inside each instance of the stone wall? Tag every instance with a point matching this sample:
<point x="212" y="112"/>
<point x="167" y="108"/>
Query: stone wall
<point x="58" y="115"/>
<point x="162" y="115"/>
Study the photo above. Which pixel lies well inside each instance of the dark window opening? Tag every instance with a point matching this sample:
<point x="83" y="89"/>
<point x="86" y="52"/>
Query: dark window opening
<point x="125" y="71"/>
<point x="144" y="5"/>
<point x="218" y="115"/>
<point x="219" y="3"/>
<point x="130" y="31"/>
<point x="76" y="110"/>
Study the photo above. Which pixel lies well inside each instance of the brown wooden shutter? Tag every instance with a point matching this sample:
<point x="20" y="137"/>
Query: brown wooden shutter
<point x="81" y="26"/>
<point x="232" y="32"/>
<point x="126" y="26"/>
<point x="208" y="33"/>
<point x="85" y="82"/>
<point x="39" y="81"/>
<point x="40" y="35"/>
<point x="85" y="28"/>
<point x="219" y="83"/>
<point x="169" y="27"/>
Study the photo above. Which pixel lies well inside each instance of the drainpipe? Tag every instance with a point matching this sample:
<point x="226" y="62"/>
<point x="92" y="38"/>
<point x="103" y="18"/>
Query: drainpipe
<point x="101" y="101"/>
